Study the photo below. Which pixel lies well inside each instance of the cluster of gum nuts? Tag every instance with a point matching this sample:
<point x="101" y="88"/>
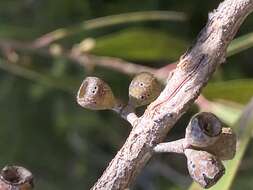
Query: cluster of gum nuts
<point x="207" y="142"/>
<point x="96" y="94"/>
<point x="207" y="145"/>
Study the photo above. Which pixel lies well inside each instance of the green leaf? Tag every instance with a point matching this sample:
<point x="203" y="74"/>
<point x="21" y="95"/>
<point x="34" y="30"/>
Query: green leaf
<point x="140" y="44"/>
<point x="244" y="130"/>
<point x="15" y="32"/>
<point x="234" y="90"/>
<point x="114" y="20"/>
<point x="228" y="113"/>
<point x="240" y="44"/>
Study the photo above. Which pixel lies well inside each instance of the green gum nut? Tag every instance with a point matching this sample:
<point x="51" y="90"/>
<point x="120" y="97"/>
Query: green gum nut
<point x="95" y="94"/>
<point x="143" y="89"/>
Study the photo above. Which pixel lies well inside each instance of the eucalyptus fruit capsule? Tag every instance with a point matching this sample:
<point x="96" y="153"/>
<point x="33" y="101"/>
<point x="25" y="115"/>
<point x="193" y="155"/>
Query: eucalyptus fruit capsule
<point x="204" y="168"/>
<point x="143" y="89"/>
<point x="16" y="177"/>
<point x="225" y="146"/>
<point x="95" y="94"/>
<point x="203" y="130"/>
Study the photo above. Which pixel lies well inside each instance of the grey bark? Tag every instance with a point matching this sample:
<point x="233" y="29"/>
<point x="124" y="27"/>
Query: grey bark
<point x="193" y="71"/>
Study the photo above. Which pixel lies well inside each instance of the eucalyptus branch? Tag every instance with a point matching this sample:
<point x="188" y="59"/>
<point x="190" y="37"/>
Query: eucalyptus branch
<point x="192" y="73"/>
<point x="84" y="59"/>
<point x="128" y="113"/>
<point x="88" y="60"/>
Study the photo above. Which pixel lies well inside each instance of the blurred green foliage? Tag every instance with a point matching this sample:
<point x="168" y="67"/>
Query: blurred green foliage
<point x="67" y="147"/>
<point x="140" y="44"/>
<point x="239" y="90"/>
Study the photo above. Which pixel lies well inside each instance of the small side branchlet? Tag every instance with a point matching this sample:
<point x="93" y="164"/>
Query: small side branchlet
<point x="205" y="145"/>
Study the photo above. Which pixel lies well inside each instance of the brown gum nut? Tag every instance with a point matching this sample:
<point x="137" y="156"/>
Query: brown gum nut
<point x="143" y="89"/>
<point x="16" y="177"/>
<point x="95" y="94"/>
<point x="225" y="146"/>
<point x="203" y="130"/>
<point x="204" y="168"/>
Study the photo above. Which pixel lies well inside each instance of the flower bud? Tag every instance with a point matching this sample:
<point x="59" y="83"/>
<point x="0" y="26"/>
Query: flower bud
<point x="204" y="168"/>
<point x="143" y="89"/>
<point x="203" y="130"/>
<point x="95" y="94"/>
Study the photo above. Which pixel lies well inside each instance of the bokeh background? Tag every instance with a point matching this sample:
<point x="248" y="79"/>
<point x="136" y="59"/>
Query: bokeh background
<point x="67" y="147"/>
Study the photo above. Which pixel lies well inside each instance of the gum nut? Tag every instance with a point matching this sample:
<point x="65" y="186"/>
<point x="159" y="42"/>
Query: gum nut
<point x="144" y="88"/>
<point x="16" y="177"/>
<point x="203" y="130"/>
<point x="95" y="94"/>
<point x="225" y="146"/>
<point x="204" y="168"/>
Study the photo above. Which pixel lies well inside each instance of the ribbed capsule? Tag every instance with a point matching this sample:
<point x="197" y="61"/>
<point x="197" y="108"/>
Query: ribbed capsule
<point x="204" y="168"/>
<point x="95" y="94"/>
<point x="143" y="89"/>
<point x="203" y="130"/>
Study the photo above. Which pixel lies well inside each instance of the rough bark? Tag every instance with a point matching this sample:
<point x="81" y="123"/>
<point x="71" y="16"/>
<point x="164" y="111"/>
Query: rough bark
<point x="194" y="69"/>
